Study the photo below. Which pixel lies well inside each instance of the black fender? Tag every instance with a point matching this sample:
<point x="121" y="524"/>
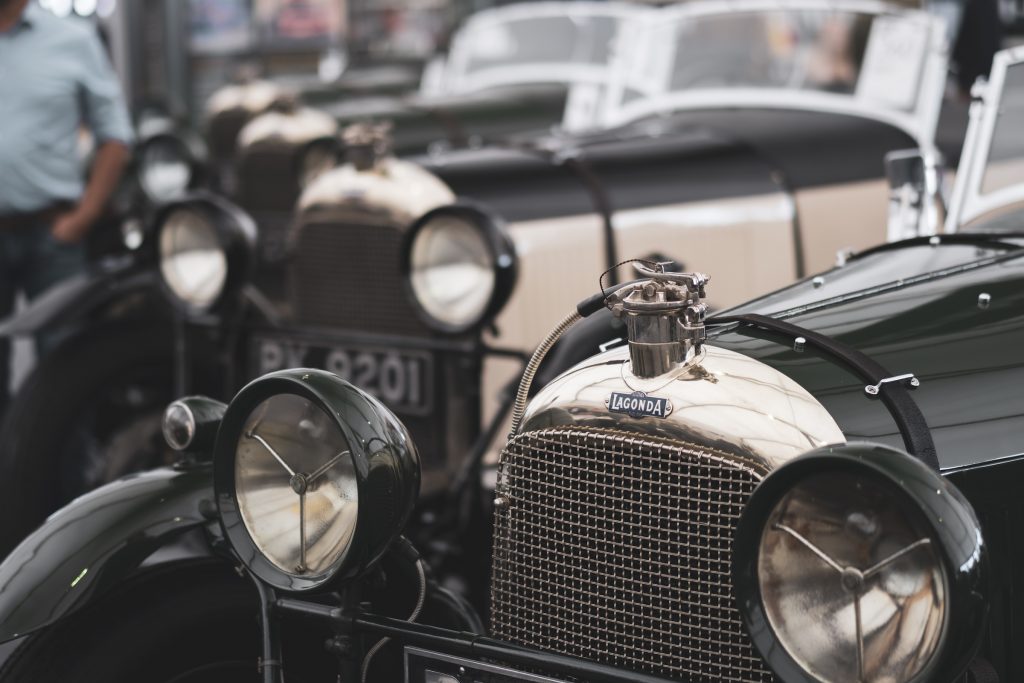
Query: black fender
<point x="79" y="297"/>
<point x="102" y="538"/>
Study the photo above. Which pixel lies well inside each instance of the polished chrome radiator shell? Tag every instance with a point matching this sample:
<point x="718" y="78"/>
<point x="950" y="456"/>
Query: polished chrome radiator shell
<point x="617" y="548"/>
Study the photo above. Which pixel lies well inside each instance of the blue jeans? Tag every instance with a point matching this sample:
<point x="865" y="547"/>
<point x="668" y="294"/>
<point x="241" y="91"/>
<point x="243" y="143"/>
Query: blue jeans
<point x="31" y="261"/>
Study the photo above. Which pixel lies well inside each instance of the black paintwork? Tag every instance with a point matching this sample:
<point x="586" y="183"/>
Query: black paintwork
<point x="99" y="541"/>
<point x="76" y="299"/>
<point x="927" y="321"/>
<point x="687" y="156"/>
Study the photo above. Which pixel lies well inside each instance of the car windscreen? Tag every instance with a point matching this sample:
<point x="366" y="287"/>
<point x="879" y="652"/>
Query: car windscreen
<point x="1005" y="164"/>
<point x="704" y="54"/>
<point x="545" y="43"/>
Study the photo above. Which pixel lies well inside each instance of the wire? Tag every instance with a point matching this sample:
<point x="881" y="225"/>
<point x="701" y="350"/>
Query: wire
<point x="531" y="369"/>
<point x="368" y="659"/>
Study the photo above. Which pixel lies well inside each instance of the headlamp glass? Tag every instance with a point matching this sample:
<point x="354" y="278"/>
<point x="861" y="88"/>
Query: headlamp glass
<point x="852" y="580"/>
<point x="179" y="426"/>
<point x="296" y="485"/>
<point x="192" y="261"/>
<point x="452" y="271"/>
<point x="164" y="170"/>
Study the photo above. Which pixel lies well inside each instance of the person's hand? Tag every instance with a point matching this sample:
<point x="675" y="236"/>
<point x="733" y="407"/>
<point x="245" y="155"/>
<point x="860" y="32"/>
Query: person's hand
<point x="71" y="227"/>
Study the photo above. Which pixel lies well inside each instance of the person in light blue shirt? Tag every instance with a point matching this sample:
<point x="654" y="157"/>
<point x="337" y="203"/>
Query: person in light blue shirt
<point x="55" y="81"/>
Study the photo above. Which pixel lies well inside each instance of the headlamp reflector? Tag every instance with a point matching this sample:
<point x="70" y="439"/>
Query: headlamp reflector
<point x="452" y="271"/>
<point x="192" y="261"/>
<point x="858" y="562"/>
<point x="313" y="477"/>
<point x="852" y="583"/>
<point x="460" y="266"/>
<point x="296" y="485"/>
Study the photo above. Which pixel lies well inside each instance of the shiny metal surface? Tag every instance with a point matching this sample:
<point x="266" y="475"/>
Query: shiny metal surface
<point x="613" y="539"/>
<point x="192" y="261"/>
<point x="664" y="319"/>
<point x="179" y="426"/>
<point x="616" y="547"/>
<point x="906" y="378"/>
<point x="852" y="582"/>
<point x="291" y="127"/>
<point x="721" y="399"/>
<point x="453" y="270"/>
<point x="253" y="96"/>
<point x="401" y="189"/>
<point x="296" y="485"/>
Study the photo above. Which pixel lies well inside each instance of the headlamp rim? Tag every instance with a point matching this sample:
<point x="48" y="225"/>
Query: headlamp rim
<point x="503" y="253"/>
<point x="937" y="498"/>
<point x="331" y="395"/>
<point x="236" y="236"/>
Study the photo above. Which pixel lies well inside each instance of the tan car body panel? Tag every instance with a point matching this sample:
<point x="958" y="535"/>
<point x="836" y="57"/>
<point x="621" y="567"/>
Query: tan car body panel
<point x="836" y="217"/>
<point x="745" y="244"/>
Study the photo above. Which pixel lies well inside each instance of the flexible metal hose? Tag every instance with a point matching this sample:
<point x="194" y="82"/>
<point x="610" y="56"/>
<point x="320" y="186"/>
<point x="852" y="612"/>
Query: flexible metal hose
<point x="531" y="368"/>
<point x="368" y="659"/>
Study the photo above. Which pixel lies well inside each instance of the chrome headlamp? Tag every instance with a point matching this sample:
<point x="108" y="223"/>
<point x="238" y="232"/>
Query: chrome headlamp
<point x="190" y="423"/>
<point x="460" y="267"/>
<point x="166" y="167"/>
<point x="205" y="249"/>
<point x="859" y="563"/>
<point x="313" y="478"/>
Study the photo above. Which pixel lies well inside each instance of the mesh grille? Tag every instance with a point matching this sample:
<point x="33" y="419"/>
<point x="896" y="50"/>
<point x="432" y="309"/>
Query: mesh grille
<point x="267" y="179"/>
<point x="617" y="548"/>
<point x="345" y="275"/>
<point x="222" y="134"/>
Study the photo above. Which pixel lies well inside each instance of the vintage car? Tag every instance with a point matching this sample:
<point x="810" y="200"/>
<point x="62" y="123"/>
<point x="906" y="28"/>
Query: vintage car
<point x="819" y="485"/>
<point x="234" y="105"/>
<point x="510" y="69"/>
<point x="477" y="93"/>
<point x="402" y="274"/>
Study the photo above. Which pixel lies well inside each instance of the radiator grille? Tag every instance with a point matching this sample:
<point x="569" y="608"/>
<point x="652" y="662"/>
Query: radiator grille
<point x="268" y="178"/>
<point x="222" y="134"/>
<point x="617" y="548"/>
<point x="345" y="275"/>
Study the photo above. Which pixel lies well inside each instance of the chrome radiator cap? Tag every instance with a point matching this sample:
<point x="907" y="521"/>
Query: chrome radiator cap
<point x="374" y="180"/>
<point x="718" y="398"/>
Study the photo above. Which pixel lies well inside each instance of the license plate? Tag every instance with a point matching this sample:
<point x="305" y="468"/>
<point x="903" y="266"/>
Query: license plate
<point x="401" y="378"/>
<point x="422" y="666"/>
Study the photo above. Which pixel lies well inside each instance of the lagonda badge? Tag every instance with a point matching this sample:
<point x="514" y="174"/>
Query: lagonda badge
<point x="639" y="404"/>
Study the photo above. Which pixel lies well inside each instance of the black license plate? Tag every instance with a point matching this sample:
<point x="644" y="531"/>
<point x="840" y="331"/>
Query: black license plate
<point x="401" y="378"/>
<point x="422" y="666"/>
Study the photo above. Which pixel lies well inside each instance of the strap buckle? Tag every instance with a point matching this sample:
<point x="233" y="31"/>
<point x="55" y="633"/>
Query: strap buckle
<point x="907" y="379"/>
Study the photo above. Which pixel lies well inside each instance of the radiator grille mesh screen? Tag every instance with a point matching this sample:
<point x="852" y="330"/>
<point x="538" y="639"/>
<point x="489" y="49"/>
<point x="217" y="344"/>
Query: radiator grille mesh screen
<point x="617" y="548"/>
<point x="345" y="275"/>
